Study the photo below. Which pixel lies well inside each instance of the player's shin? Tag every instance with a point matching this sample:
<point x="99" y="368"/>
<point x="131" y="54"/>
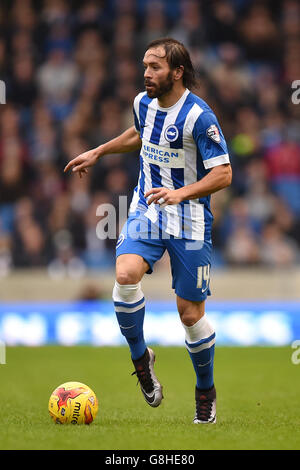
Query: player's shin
<point x="200" y="343"/>
<point x="129" y="305"/>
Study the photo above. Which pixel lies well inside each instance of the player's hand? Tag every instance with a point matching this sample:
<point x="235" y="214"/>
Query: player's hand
<point x="81" y="163"/>
<point x="163" y="196"/>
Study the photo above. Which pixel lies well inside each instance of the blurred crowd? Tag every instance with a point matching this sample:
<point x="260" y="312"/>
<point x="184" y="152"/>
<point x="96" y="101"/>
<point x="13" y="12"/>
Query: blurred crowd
<point x="72" y="70"/>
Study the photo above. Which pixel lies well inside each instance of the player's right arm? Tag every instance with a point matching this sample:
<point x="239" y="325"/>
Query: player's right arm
<point x="128" y="141"/>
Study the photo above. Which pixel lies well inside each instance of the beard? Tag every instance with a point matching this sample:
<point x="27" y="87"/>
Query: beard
<point x="160" y="89"/>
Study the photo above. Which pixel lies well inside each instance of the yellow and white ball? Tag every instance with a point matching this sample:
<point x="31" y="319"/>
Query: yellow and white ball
<point x="73" y="402"/>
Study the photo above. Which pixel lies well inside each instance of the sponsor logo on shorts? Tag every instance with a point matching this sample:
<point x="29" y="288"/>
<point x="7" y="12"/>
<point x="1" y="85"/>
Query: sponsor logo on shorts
<point x="120" y="240"/>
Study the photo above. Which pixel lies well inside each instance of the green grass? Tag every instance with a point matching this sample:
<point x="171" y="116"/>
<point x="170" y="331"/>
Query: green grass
<point x="257" y="401"/>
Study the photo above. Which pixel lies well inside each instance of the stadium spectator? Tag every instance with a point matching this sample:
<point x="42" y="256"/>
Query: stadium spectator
<point x="283" y="163"/>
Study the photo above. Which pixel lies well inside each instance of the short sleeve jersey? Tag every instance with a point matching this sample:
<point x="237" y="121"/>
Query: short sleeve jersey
<point x="180" y="145"/>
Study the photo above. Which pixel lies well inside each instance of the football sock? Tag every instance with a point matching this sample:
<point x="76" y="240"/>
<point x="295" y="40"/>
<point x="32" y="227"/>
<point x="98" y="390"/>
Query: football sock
<point x="200" y="343"/>
<point x="129" y="304"/>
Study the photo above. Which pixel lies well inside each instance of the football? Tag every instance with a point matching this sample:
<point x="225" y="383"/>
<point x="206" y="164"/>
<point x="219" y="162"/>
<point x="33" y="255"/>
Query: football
<point x="74" y="403"/>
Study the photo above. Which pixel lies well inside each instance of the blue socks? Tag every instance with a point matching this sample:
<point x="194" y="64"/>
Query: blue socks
<point x="200" y="343"/>
<point x="129" y="304"/>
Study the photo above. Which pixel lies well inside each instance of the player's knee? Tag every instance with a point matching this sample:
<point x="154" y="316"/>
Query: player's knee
<point x="190" y="313"/>
<point x="127" y="277"/>
<point x="188" y="317"/>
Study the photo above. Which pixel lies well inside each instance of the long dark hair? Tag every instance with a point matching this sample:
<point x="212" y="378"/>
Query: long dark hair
<point x="177" y="55"/>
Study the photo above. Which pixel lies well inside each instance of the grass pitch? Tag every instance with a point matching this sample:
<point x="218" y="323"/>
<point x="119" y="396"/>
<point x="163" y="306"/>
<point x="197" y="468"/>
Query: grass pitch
<point x="257" y="400"/>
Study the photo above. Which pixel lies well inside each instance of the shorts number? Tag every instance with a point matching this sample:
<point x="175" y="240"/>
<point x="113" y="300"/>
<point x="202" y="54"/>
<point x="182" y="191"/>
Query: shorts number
<point x="203" y="273"/>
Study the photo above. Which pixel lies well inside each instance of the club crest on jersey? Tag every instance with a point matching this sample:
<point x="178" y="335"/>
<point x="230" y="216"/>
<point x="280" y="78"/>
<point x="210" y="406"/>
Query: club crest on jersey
<point x="213" y="133"/>
<point x="171" y="133"/>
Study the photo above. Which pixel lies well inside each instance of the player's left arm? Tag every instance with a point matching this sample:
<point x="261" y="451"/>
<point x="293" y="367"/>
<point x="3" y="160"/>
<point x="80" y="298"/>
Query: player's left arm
<point x="212" y="147"/>
<point x="218" y="178"/>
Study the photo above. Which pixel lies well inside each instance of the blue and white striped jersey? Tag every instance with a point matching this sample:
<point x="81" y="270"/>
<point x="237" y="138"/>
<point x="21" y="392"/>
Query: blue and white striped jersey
<point x="180" y="144"/>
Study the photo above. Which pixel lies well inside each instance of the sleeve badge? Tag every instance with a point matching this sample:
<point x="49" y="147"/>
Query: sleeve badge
<point x="213" y="133"/>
